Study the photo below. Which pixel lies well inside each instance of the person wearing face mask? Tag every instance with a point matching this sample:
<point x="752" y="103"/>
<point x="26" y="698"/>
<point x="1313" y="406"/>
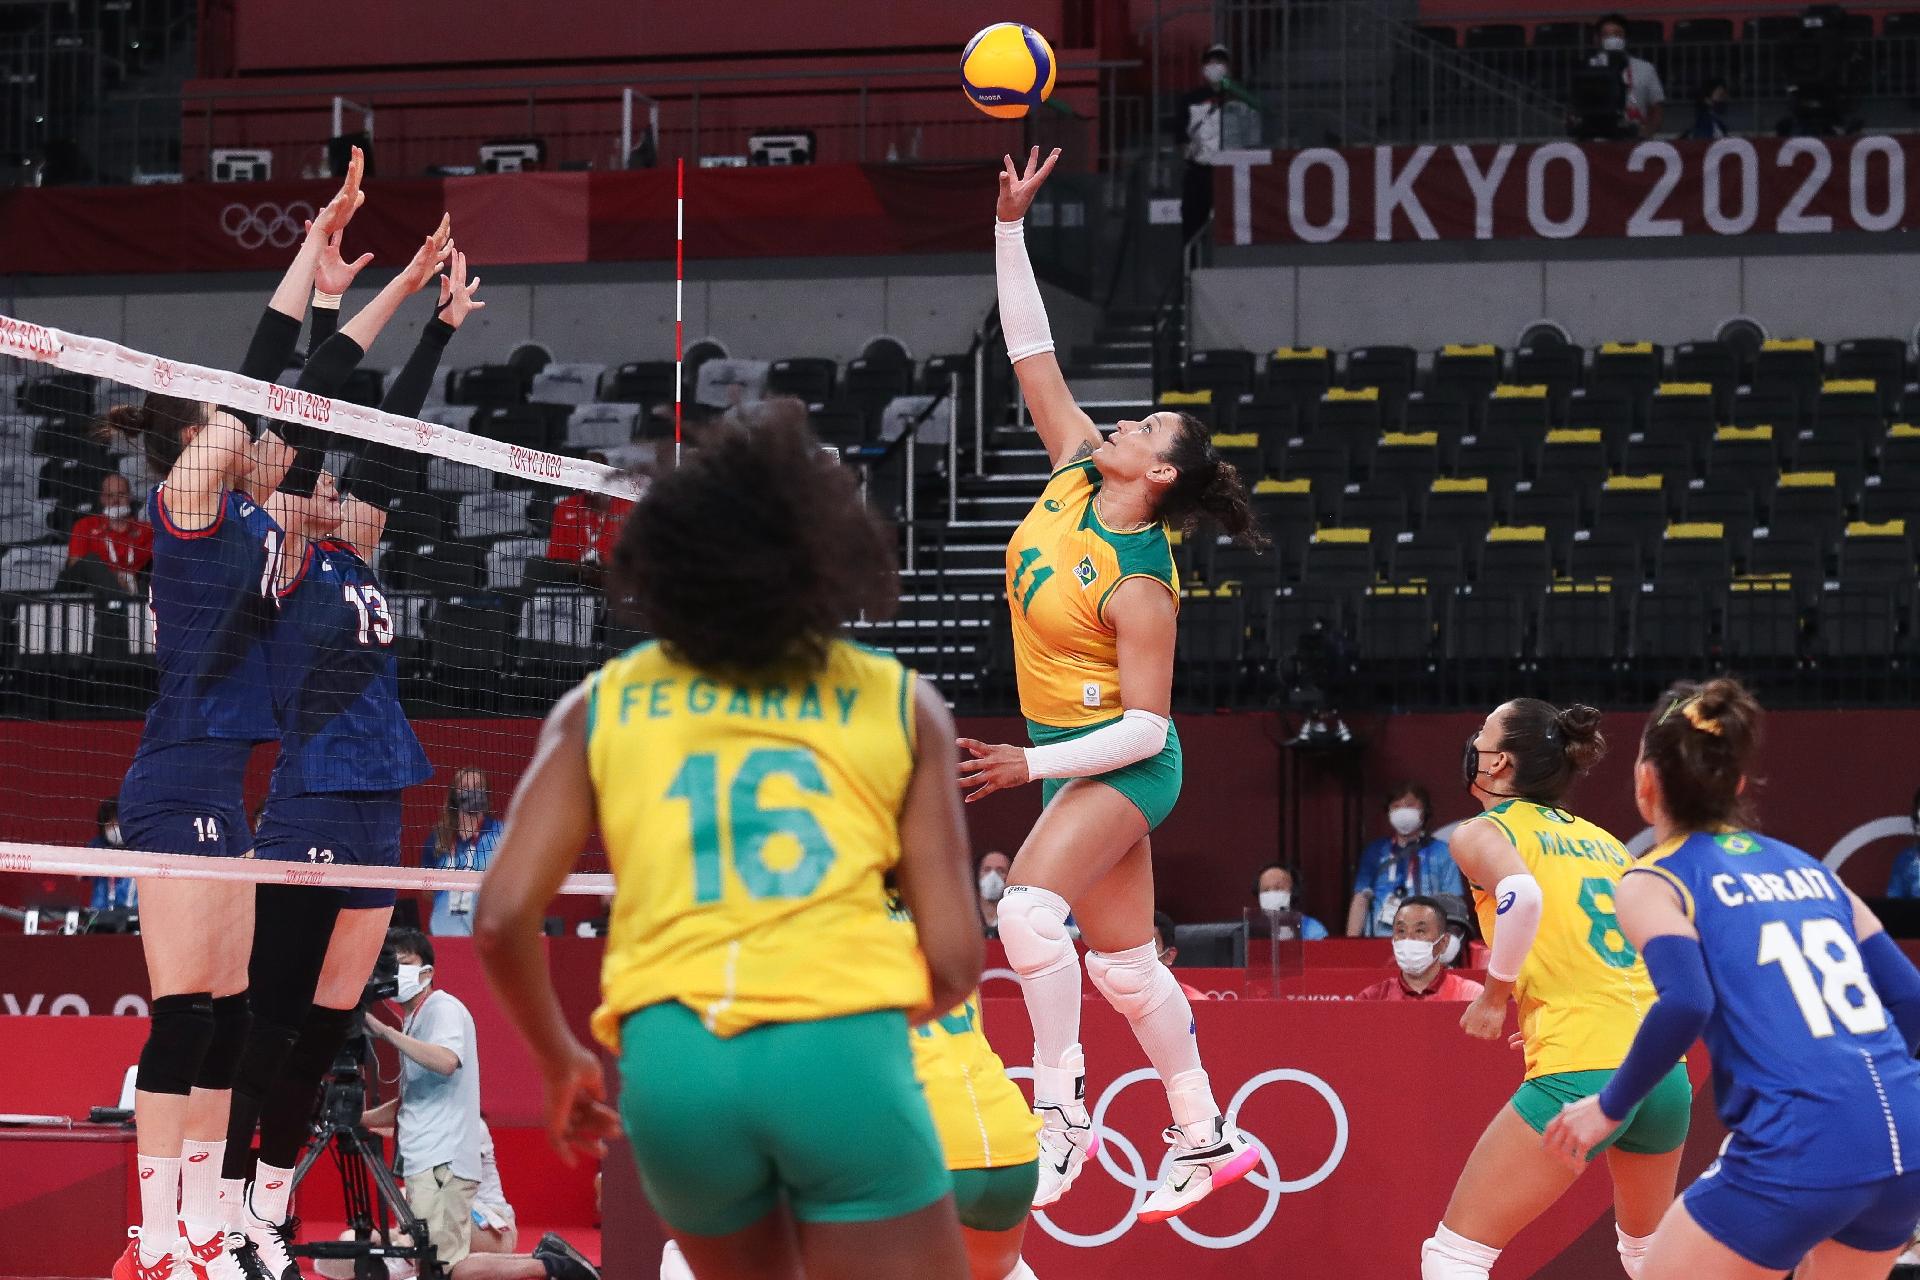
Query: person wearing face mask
<point x="1399" y="866"/>
<point x="1423" y="947"/>
<point x="1646" y="97"/>
<point x="109" y="551"/>
<point x="1274" y="891"/>
<point x="1904" y="882"/>
<point x="1544" y="886"/>
<point x="111" y="893"/>
<point x="1197" y="124"/>
<point x="994" y="866"/>
<point x="441" y="1136"/>
<point x="463" y="840"/>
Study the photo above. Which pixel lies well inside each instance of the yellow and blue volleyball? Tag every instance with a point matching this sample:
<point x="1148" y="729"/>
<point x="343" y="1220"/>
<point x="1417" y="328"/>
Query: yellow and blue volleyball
<point x="1007" y="70"/>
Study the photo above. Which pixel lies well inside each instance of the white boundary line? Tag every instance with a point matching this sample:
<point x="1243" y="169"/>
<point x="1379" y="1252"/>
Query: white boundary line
<point x="77" y="353"/>
<point x="67" y="860"/>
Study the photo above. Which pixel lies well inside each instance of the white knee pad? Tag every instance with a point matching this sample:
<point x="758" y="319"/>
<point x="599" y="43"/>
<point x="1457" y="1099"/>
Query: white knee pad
<point x="1133" y="981"/>
<point x="1451" y="1256"/>
<point x="673" y="1264"/>
<point x="1633" y="1252"/>
<point x="1033" y="929"/>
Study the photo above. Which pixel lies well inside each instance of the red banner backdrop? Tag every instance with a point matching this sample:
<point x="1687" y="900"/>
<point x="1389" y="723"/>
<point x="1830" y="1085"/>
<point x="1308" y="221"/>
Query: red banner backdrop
<point x="1564" y="190"/>
<point x="805" y="211"/>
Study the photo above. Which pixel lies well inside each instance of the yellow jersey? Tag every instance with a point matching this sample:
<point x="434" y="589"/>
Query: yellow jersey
<point x="748" y="826"/>
<point x="1062" y="567"/>
<point x="1583" y="989"/>
<point x="983" y="1119"/>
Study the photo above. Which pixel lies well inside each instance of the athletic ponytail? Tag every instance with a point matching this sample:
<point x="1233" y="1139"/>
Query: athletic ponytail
<point x="155" y="424"/>
<point x="1207" y="486"/>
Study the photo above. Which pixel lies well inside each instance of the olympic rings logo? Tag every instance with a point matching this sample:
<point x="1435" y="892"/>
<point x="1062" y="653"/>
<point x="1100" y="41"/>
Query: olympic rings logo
<point x="266" y="224"/>
<point x="1134" y="1177"/>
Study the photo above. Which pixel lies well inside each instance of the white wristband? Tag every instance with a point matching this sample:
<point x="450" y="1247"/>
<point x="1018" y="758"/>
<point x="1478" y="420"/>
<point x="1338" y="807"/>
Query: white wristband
<point x="1128" y="740"/>
<point x="327" y="301"/>
<point x="1023" y="316"/>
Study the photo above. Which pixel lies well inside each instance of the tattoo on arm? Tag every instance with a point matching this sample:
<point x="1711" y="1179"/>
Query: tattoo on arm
<point x="1081" y="454"/>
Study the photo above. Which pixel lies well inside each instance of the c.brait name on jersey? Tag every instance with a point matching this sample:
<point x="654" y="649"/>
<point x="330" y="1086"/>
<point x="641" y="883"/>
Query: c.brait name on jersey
<point x="1792" y="885"/>
<point x="660" y="699"/>
<point x="1552" y="842"/>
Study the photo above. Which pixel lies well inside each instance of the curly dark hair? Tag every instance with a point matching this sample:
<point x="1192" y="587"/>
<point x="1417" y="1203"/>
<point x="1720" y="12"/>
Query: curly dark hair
<point x="752" y="555"/>
<point x="1208" y="486"/>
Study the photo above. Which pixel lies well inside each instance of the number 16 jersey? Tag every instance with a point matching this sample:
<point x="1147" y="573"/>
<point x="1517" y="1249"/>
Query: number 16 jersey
<point x="749" y="825"/>
<point x="1809" y="1071"/>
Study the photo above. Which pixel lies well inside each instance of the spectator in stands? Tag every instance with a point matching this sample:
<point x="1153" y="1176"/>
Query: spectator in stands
<point x="585" y="527"/>
<point x="441" y="1136"/>
<point x="463" y="840"/>
<point x="1420" y="947"/>
<point x="1273" y="889"/>
<point x="1710" y="111"/>
<point x="1200" y="114"/>
<point x="108" y="551"/>
<point x="994" y="866"/>
<point x="1401" y="865"/>
<point x="1164" y="929"/>
<point x="1905" y="880"/>
<point x="111" y="893"/>
<point x="1646" y="97"/>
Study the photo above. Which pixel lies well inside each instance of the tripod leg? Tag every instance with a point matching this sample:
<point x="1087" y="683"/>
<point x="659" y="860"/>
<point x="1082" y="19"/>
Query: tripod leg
<point x="398" y="1205"/>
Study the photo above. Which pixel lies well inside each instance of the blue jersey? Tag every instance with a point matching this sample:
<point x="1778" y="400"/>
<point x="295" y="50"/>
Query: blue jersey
<point x="1809" y="1072"/>
<point x="336" y="688"/>
<point x="212" y="604"/>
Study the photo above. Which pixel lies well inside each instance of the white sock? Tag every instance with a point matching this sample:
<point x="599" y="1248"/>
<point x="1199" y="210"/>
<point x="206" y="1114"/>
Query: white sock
<point x="200" y="1187"/>
<point x="1021" y="1271"/>
<point x="159" y="1206"/>
<point x="233" y="1203"/>
<point x="1633" y="1252"/>
<point x="1450" y="1256"/>
<point x="267" y="1200"/>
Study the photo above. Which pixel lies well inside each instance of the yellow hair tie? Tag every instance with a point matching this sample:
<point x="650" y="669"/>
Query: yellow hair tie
<point x="1699" y="720"/>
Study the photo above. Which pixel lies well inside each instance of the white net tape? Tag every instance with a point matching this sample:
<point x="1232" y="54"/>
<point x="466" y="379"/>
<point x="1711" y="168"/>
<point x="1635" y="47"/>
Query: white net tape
<point x="60" y="860"/>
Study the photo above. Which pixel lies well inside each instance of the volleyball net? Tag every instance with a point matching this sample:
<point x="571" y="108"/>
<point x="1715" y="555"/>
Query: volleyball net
<point x="497" y="529"/>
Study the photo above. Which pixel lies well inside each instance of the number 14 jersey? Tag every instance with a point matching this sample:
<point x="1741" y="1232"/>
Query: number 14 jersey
<point x="1583" y="989"/>
<point x="1809" y="1071"/>
<point x="749" y="825"/>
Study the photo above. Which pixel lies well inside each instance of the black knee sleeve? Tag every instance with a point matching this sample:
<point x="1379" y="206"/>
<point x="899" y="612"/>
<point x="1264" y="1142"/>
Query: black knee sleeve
<point x="177" y="1039"/>
<point x="261" y="1063"/>
<point x="288" y="1106"/>
<point x="292" y="927"/>
<point x="231" y="1017"/>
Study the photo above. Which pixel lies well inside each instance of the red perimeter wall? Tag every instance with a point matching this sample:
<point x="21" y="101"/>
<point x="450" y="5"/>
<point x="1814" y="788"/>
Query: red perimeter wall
<point x="1822" y="775"/>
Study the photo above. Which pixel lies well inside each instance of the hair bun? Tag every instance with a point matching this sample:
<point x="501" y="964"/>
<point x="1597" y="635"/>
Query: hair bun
<point x="1579" y="727"/>
<point x="127" y="419"/>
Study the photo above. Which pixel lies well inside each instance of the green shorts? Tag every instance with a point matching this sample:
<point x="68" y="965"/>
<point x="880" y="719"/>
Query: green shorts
<point x="1658" y="1125"/>
<point x="995" y="1199"/>
<point x="825" y="1117"/>
<point x="1152" y="784"/>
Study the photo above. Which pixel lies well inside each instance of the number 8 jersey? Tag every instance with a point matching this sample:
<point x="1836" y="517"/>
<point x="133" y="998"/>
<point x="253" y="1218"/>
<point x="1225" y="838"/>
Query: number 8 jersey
<point x="749" y="825"/>
<point x="1583" y="989"/>
<point x="1809" y="1072"/>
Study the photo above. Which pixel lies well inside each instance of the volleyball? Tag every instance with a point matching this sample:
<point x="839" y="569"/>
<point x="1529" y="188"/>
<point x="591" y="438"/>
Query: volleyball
<point x="1007" y="70"/>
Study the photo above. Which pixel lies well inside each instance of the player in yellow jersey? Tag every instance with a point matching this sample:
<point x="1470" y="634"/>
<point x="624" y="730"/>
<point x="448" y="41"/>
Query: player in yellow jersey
<point x="754" y="777"/>
<point x="1543" y="884"/>
<point x="1094" y="597"/>
<point x="986" y="1131"/>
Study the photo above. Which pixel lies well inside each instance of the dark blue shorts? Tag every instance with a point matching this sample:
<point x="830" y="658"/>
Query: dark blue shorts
<point x="188" y="797"/>
<point x="357" y="828"/>
<point x="1775" y="1227"/>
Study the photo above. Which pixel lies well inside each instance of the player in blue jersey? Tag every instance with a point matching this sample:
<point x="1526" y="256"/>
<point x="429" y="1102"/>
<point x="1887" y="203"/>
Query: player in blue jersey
<point x="1809" y="1010"/>
<point x="215" y="553"/>
<point x="347" y="754"/>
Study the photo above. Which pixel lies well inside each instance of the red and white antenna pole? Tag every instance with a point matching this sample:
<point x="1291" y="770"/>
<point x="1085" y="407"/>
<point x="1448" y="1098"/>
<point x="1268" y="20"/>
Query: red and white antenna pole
<point x="679" y="286"/>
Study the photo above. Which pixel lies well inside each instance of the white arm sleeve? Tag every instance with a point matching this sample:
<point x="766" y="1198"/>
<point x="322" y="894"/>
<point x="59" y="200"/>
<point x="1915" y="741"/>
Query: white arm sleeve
<point x="1128" y="740"/>
<point x="1023" y="317"/>
<point x="1517" y="920"/>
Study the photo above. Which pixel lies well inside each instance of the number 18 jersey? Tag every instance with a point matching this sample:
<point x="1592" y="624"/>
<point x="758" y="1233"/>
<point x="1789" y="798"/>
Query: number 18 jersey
<point x="1809" y="1071"/>
<point x="749" y="825"/>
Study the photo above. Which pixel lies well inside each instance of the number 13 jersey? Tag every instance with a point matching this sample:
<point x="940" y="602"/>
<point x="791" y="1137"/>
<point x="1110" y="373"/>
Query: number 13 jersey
<point x="749" y="825"/>
<point x="1809" y="1071"/>
<point x="1583" y="989"/>
<point x="1062" y="567"/>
